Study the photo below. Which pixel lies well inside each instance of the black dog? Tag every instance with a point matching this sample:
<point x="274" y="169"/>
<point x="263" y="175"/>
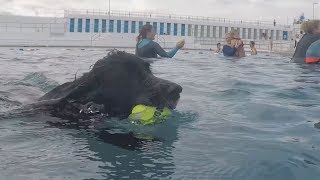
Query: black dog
<point x="113" y="87"/>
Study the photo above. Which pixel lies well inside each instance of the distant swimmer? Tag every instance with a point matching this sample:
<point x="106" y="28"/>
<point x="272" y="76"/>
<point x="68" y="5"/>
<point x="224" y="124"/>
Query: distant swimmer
<point x="147" y="48"/>
<point x="313" y="53"/>
<point x="253" y="48"/>
<point x="218" y="50"/>
<point x="234" y="45"/>
<point x="312" y="34"/>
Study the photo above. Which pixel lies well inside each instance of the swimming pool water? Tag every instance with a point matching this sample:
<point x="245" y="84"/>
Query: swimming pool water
<point x="250" y="118"/>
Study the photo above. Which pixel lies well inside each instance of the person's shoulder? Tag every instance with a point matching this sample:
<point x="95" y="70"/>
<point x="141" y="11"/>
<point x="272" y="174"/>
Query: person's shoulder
<point x="153" y="42"/>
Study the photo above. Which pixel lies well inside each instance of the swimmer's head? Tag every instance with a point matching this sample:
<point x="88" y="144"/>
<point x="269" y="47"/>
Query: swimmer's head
<point x="252" y="43"/>
<point x="146" y="32"/>
<point x="228" y="38"/>
<point x="234" y="34"/>
<point x="219" y="45"/>
<point x="311" y="27"/>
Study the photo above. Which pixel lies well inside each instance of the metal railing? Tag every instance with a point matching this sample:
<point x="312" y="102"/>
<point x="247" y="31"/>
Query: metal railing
<point x="167" y="16"/>
<point x="25" y="27"/>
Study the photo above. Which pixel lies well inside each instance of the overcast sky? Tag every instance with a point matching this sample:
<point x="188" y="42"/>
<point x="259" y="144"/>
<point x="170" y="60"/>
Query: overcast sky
<point x="234" y="9"/>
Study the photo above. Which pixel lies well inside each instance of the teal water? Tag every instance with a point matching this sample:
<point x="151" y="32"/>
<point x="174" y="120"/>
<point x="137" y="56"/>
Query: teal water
<point x="248" y="119"/>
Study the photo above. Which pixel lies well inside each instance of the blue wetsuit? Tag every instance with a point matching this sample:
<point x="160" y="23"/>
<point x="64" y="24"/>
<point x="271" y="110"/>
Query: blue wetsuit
<point x="228" y="51"/>
<point x="150" y="49"/>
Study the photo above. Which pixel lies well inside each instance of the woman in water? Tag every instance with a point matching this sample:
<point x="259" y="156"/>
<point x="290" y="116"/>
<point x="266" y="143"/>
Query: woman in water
<point x="312" y="34"/>
<point x="146" y="47"/>
<point x="234" y="46"/>
<point x="253" y="48"/>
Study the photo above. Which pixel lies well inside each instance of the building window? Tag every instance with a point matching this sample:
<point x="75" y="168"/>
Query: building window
<point x="189" y="30"/>
<point x="96" y="25"/>
<point x="133" y="27"/>
<point x="195" y="30"/>
<point x="260" y="34"/>
<point x="168" y="28"/>
<point x="79" y="25"/>
<point x="285" y="35"/>
<point x="208" y="31"/>
<point x="87" y="25"/>
<point x="249" y="33"/>
<point x="255" y="34"/>
<point x="104" y="25"/>
<point x="72" y="25"/>
<point x="126" y="27"/>
<point x="226" y="30"/>
<point x="161" y="28"/>
<point x="155" y="27"/>
<point x="175" y="29"/>
<point x="140" y="25"/>
<point x="214" y="31"/>
<point x="202" y="31"/>
<point x="118" y="26"/>
<point x="244" y="33"/>
<point x="183" y="29"/>
<point x="111" y="23"/>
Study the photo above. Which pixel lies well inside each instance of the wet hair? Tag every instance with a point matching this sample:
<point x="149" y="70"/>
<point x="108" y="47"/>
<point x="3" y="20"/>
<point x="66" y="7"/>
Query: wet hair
<point x="218" y="44"/>
<point x="234" y="33"/>
<point x="310" y="26"/>
<point x="143" y="32"/>
<point x="252" y="43"/>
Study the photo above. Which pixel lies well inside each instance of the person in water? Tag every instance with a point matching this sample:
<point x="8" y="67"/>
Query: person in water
<point x="148" y="48"/>
<point x="218" y="48"/>
<point x="312" y="33"/>
<point x="253" y="48"/>
<point x="313" y="53"/>
<point x="234" y="45"/>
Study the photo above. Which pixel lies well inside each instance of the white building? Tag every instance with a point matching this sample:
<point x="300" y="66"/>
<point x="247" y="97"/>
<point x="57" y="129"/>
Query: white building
<point x="119" y="29"/>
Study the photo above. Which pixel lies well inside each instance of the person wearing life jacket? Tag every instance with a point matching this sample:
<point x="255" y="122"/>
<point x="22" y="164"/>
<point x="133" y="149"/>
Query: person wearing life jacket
<point x="313" y="53"/>
<point x="147" y="48"/>
<point x="312" y="34"/>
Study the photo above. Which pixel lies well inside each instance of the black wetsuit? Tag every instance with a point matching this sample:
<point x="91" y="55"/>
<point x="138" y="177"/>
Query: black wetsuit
<point x="299" y="55"/>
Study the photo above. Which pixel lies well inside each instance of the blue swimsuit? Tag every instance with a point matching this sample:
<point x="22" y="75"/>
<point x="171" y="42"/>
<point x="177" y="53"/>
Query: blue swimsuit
<point x="228" y="51"/>
<point x="150" y="49"/>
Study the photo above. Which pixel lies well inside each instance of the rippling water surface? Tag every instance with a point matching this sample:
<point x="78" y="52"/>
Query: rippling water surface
<point x="250" y="118"/>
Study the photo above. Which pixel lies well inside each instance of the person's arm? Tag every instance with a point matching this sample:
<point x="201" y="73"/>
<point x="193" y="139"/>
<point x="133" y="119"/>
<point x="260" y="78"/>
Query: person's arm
<point x="161" y="52"/>
<point x="254" y="51"/>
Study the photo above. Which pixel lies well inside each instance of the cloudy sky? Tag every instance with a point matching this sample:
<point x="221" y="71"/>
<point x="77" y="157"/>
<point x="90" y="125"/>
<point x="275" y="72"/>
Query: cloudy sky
<point x="282" y="10"/>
